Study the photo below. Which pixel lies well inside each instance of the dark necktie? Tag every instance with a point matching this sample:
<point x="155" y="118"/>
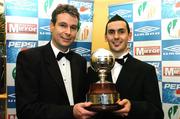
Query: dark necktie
<point x="66" y="55"/>
<point x="121" y="61"/>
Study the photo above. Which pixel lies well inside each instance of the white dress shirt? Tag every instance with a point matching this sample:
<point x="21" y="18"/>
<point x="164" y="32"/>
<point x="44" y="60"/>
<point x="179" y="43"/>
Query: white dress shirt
<point x="117" y="68"/>
<point x="64" y="66"/>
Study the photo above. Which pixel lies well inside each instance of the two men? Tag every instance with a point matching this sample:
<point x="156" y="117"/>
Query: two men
<point x="53" y="85"/>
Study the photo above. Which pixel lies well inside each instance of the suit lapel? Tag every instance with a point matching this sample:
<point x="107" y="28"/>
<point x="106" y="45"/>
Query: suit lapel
<point x="125" y="78"/>
<point x="74" y="75"/>
<point x="53" y="68"/>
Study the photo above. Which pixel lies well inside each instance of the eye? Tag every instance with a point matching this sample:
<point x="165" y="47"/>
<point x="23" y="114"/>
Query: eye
<point x="120" y="31"/>
<point x="74" y="27"/>
<point x="63" y="25"/>
<point x="111" y="32"/>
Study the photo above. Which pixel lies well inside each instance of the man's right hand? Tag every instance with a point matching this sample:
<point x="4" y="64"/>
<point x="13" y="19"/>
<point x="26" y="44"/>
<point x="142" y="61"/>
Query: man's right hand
<point x="80" y="112"/>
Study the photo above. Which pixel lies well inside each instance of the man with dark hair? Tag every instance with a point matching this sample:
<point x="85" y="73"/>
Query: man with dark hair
<point x="136" y="81"/>
<point x="51" y="79"/>
<point x="116" y="18"/>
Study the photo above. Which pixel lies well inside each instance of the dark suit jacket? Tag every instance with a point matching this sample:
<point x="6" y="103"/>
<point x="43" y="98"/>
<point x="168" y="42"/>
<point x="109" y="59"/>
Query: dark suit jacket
<point x="40" y="90"/>
<point x="137" y="82"/>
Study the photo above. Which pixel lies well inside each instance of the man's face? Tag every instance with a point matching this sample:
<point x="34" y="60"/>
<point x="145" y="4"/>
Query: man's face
<point x="117" y="36"/>
<point x="64" y="31"/>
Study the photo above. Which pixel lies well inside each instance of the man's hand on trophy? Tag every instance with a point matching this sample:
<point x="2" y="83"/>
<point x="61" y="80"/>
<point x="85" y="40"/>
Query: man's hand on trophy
<point x="126" y="107"/>
<point x="80" y="112"/>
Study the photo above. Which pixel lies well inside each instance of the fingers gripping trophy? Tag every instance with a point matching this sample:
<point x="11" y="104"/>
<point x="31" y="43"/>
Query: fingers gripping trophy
<point x="103" y="94"/>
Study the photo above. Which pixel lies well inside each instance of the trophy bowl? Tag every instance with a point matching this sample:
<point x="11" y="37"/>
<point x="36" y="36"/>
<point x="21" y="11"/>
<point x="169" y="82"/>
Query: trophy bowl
<point x="102" y="94"/>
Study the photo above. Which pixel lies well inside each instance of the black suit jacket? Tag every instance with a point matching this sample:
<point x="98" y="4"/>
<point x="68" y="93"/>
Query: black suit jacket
<point x="137" y="82"/>
<point x="40" y="90"/>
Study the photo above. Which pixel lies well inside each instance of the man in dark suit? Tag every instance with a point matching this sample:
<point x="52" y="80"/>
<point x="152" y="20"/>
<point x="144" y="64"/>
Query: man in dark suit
<point x="51" y="80"/>
<point x="136" y="81"/>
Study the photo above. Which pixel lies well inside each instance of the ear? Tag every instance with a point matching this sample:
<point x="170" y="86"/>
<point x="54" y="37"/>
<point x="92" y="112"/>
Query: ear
<point x="51" y="27"/>
<point x="130" y="36"/>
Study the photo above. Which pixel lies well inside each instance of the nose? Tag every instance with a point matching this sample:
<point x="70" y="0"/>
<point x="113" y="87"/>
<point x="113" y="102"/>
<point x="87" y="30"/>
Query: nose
<point x="68" y="30"/>
<point x="116" y="35"/>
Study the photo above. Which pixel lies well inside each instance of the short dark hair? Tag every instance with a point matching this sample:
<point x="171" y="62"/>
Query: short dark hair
<point x="64" y="8"/>
<point x="117" y="18"/>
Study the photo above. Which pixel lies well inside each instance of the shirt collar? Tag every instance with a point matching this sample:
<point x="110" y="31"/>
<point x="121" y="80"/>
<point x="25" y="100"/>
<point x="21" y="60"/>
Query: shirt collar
<point x="56" y="50"/>
<point x="120" y="57"/>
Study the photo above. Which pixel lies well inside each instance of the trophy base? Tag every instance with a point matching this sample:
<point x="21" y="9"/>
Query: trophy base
<point x="104" y="107"/>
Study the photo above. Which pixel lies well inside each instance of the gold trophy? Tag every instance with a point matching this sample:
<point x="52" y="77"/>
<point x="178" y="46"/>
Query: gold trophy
<point x="103" y="94"/>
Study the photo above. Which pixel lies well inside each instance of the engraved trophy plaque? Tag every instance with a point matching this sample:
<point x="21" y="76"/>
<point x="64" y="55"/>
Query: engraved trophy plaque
<point x="102" y="94"/>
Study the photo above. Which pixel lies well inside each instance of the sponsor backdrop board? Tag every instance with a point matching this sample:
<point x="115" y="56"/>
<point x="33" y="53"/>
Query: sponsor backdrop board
<point x="155" y="26"/>
<point x="27" y="26"/>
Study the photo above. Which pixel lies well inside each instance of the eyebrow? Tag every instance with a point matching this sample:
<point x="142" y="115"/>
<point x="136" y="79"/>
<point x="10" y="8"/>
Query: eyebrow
<point x="67" y="24"/>
<point x="120" y="29"/>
